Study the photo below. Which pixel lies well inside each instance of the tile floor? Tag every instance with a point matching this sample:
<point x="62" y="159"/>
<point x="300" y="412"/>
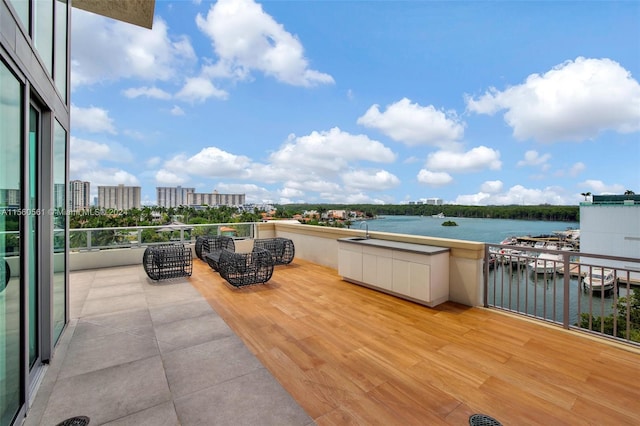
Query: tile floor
<point x="138" y="352"/>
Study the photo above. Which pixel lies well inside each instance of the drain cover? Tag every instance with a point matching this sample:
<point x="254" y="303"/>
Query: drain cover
<point x="483" y="420"/>
<point x="75" y="421"/>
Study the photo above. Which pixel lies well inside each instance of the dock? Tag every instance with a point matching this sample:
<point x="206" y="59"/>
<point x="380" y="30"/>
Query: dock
<point x="574" y="271"/>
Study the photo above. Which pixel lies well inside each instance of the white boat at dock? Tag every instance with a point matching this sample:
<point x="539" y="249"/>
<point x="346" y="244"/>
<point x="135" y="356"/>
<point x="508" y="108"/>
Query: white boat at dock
<point x="438" y="216"/>
<point x="599" y="279"/>
<point x="546" y="263"/>
<point x="546" y="242"/>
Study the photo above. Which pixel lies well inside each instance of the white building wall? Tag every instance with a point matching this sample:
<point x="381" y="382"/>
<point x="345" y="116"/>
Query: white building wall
<point x="610" y="229"/>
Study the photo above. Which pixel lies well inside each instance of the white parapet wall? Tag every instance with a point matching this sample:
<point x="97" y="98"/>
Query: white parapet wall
<point x="105" y="258"/>
<point x="319" y="244"/>
<point x="96" y="259"/>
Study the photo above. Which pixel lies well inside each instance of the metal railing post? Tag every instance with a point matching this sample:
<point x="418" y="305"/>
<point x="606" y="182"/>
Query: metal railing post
<point x="566" y="258"/>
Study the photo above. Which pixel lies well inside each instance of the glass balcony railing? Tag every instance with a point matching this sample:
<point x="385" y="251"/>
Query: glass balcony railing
<point x="86" y="239"/>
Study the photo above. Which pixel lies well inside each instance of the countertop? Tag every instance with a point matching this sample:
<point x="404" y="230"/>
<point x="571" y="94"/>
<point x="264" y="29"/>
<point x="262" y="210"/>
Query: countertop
<point x="395" y="245"/>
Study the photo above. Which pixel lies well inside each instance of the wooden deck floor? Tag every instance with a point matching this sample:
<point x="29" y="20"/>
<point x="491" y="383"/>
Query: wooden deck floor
<point x="350" y="355"/>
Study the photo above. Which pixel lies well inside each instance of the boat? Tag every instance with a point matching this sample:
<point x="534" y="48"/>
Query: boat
<point x="599" y="279"/>
<point x="438" y="216"/>
<point x="546" y="263"/>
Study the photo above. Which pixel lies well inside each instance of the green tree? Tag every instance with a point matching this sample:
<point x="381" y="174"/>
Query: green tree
<point x="626" y="305"/>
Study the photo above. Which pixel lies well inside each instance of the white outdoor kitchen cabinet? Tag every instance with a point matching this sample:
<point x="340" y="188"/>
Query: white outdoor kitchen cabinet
<point x="412" y="271"/>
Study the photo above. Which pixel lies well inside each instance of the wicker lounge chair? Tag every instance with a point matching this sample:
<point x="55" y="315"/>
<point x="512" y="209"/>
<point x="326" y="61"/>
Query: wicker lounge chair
<point x="167" y="261"/>
<point x="242" y="269"/>
<point x="282" y="249"/>
<point x="208" y="244"/>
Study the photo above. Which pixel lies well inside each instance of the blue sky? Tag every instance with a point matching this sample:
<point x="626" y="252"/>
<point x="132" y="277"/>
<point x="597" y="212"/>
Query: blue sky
<point x="476" y="103"/>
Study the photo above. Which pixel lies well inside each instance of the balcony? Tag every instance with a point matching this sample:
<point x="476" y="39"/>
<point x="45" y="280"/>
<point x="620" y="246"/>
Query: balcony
<point x="308" y="348"/>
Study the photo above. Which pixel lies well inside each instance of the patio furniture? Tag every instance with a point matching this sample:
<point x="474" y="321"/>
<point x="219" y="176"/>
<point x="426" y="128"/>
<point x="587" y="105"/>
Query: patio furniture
<point x="198" y="246"/>
<point x="282" y="249"/>
<point x="167" y="261"/>
<point x="207" y="244"/>
<point x="242" y="269"/>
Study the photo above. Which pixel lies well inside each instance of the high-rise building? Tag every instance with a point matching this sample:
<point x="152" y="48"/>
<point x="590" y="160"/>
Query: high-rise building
<point x="9" y="198"/>
<point x="173" y="196"/>
<point x="215" y="199"/>
<point x="80" y="195"/>
<point x="119" y="197"/>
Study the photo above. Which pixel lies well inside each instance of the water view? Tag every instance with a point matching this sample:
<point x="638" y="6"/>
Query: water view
<point x="471" y="229"/>
<point x="516" y="287"/>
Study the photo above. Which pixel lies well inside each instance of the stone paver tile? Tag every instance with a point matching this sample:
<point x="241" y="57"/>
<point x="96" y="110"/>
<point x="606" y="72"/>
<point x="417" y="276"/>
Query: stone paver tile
<point x="108" y="394"/>
<point x="253" y="399"/>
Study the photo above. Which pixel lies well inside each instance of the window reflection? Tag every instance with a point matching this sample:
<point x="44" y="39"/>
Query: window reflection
<point x="60" y="72"/>
<point x="10" y="287"/>
<point x="59" y="228"/>
<point x="43" y="31"/>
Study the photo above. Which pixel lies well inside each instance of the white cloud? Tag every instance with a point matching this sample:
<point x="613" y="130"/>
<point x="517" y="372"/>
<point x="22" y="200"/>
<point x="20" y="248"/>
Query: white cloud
<point x="533" y="158"/>
<point x="598" y="187"/>
<point x="252" y="189"/>
<point x="106" y="49"/>
<point x="315" y="185"/>
<point x="576" y="100"/>
<point x="245" y="38"/>
<point x="86" y="155"/>
<point x="479" y="199"/>
<point x="476" y="159"/>
<point x="491" y="186"/>
<point x="413" y="124"/>
<point x="370" y="180"/>
<point x="109" y="177"/>
<point x="434" y="179"/>
<point x="153" y="161"/>
<point x="86" y="148"/>
<point x="290" y="193"/>
<point x="518" y="194"/>
<point x="149" y="92"/>
<point x="134" y="134"/>
<point x="165" y="177"/>
<point x="328" y="152"/>
<point x="199" y="89"/>
<point x="177" y="111"/>
<point x="210" y="162"/>
<point x="577" y="168"/>
<point x="92" y="119"/>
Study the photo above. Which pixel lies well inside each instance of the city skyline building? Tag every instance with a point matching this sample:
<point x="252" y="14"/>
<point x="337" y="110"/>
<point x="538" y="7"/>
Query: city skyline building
<point x="215" y="199"/>
<point x="119" y="197"/>
<point x="80" y="195"/>
<point x="9" y="197"/>
<point x="167" y="196"/>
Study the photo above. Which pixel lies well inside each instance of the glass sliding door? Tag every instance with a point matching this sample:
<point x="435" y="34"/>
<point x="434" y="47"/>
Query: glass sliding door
<point x="11" y="312"/>
<point x="29" y="221"/>
<point x="59" y="229"/>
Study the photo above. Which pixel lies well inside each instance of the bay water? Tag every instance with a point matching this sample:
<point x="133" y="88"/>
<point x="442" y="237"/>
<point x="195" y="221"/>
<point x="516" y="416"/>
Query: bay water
<point x="491" y="231"/>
